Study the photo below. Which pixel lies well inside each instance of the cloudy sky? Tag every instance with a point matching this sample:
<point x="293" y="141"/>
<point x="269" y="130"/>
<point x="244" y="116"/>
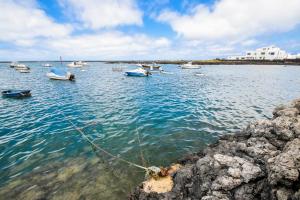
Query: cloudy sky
<point x="144" y="29"/>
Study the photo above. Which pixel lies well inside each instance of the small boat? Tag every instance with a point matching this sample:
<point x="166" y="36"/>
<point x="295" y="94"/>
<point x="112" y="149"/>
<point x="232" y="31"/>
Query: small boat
<point x="47" y="65"/>
<point x="83" y="63"/>
<point x="152" y="68"/>
<point x="13" y="64"/>
<point x="138" y="72"/>
<point x="16" y="93"/>
<point x="23" y="70"/>
<point x="21" y="67"/>
<point x="77" y="64"/>
<point x="190" y="65"/>
<point x="199" y="74"/>
<point x="60" y="74"/>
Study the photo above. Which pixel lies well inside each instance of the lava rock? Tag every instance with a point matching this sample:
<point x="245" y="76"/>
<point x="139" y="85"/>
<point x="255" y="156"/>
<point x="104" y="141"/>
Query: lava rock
<point x="260" y="162"/>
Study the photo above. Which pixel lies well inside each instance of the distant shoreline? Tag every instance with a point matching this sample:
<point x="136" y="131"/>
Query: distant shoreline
<point x="216" y="62"/>
<point x="196" y="62"/>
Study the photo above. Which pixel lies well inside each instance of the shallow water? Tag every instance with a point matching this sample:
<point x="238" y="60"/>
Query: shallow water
<point x="173" y="114"/>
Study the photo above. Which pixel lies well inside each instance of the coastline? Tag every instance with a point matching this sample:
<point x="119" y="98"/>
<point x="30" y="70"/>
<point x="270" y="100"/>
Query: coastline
<point x="214" y="62"/>
<point x="262" y="161"/>
<point x="180" y="62"/>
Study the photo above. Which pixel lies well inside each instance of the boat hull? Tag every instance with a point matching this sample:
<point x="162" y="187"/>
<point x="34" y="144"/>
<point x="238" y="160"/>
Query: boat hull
<point x="16" y="93"/>
<point x="136" y="74"/>
<point x="74" y="66"/>
<point x="190" y="67"/>
<point x="57" y="77"/>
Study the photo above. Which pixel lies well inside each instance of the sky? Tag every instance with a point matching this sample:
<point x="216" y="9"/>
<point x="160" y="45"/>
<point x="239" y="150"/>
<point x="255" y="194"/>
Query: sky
<point x="145" y="29"/>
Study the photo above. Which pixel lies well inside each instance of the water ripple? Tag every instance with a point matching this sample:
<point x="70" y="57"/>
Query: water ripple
<point x="173" y="114"/>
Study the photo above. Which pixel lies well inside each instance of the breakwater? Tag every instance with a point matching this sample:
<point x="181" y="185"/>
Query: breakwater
<point x="260" y="162"/>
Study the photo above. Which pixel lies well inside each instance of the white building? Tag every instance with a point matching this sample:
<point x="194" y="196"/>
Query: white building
<point x="265" y="53"/>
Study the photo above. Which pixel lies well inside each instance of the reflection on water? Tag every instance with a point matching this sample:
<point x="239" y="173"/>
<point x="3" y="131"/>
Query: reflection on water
<point x="174" y="113"/>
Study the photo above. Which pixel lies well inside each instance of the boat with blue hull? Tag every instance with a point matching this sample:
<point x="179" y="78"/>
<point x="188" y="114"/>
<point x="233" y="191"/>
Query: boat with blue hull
<point x="16" y="93"/>
<point x="138" y="72"/>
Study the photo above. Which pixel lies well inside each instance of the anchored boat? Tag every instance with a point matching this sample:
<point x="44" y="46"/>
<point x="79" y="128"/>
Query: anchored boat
<point x="152" y="68"/>
<point x="47" y="65"/>
<point x="13" y="64"/>
<point x="60" y="74"/>
<point x="77" y="64"/>
<point x="16" y="93"/>
<point x="138" y="72"/>
<point x="22" y="68"/>
<point x="190" y="65"/>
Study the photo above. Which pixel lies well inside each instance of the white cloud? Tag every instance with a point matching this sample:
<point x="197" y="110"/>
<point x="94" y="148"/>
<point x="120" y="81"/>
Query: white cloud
<point x="28" y="33"/>
<point x="22" y="21"/>
<point x="97" y="14"/>
<point x="107" y="45"/>
<point x="234" y="19"/>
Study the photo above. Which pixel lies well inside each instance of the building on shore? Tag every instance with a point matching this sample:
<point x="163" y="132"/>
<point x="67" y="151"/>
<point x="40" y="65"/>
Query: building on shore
<point x="266" y="53"/>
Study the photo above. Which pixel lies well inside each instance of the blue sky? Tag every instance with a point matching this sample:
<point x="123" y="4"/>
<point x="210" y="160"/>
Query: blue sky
<point x="145" y="29"/>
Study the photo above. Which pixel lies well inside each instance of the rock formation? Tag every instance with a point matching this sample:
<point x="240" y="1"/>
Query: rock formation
<point x="260" y="162"/>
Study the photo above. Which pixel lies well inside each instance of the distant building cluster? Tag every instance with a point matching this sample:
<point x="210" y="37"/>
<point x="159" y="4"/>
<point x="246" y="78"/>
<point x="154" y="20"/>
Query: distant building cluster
<point x="265" y="53"/>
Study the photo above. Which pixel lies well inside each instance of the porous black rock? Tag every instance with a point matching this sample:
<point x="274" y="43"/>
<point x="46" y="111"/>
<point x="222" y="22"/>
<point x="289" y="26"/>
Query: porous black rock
<point x="260" y="162"/>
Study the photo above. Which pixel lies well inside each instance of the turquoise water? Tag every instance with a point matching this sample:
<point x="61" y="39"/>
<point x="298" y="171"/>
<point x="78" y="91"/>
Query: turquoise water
<point x="173" y="114"/>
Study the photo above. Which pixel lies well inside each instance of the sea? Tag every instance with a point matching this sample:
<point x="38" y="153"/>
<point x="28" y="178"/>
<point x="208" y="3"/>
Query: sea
<point x="149" y="121"/>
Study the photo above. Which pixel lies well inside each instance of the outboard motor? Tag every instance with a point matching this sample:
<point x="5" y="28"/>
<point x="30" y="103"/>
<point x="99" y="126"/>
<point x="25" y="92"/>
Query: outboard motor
<point x="72" y="77"/>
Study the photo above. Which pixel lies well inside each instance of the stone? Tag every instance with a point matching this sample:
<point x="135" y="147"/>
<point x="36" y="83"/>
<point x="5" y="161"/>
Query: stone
<point x="284" y="168"/>
<point x="260" y="162"/>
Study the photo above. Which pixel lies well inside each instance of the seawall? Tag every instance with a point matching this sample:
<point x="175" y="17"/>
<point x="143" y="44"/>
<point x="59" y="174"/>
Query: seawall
<point x="262" y="161"/>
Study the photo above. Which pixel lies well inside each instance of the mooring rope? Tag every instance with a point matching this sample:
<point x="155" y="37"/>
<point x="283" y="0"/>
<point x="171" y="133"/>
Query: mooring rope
<point x="98" y="147"/>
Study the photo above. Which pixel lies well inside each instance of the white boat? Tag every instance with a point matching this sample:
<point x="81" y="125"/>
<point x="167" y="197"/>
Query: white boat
<point x="137" y="72"/>
<point x="13" y="64"/>
<point x="152" y="68"/>
<point x="21" y="67"/>
<point x="24" y="70"/>
<point x="47" y="65"/>
<point x="60" y="74"/>
<point x="190" y="65"/>
<point x="82" y="63"/>
<point x="77" y="64"/>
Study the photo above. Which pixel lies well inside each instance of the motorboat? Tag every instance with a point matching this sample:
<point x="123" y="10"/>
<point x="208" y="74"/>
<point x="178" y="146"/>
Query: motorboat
<point x="47" y="65"/>
<point x="152" y="68"/>
<point x="82" y="63"/>
<point x="22" y="68"/>
<point x="190" y="65"/>
<point x="60" y="74"/>
<point x="138" y="72"/>
<point x="16" y="93"/>
<point x="13" y="64"/>
<point x="77" y="64"/>
<point x="199" y="74"/>
<point x="74" y="64"/>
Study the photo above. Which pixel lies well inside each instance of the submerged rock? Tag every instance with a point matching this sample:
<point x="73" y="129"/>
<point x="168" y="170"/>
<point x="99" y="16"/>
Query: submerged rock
<point x="260" y="162"/>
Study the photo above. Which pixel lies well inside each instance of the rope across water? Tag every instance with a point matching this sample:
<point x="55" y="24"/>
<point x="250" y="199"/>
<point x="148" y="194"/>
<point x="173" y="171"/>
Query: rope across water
<point x="98" y="147"/>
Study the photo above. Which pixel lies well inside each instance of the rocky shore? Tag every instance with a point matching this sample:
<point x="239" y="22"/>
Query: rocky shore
<point x="260" y="162"/>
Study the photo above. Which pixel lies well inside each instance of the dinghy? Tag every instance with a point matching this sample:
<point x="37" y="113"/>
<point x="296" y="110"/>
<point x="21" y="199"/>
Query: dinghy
<point x="16" y="93"/>
<point x="60" y="74"/>
<point x="138" y="72"/>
